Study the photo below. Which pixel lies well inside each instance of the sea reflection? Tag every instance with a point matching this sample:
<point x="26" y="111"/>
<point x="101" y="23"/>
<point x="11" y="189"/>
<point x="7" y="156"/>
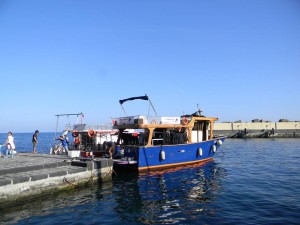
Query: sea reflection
<point x="62" y="203"/>
<point x="174" y="196"/>
<point x="169" y="196"/>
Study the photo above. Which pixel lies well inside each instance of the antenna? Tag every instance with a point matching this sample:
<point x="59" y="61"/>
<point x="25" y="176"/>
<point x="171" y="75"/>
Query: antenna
<point x="199" y="110"/>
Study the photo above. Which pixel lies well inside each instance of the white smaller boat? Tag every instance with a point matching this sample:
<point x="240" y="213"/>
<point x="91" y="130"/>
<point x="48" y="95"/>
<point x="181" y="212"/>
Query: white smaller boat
<point x="85" y="140"/>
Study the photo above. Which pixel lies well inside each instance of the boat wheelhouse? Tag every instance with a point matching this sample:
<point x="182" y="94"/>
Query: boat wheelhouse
<point x="155" y="142"/>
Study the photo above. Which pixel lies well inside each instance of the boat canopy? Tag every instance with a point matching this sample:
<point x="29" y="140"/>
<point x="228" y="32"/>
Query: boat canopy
<point x="134" y="98"/>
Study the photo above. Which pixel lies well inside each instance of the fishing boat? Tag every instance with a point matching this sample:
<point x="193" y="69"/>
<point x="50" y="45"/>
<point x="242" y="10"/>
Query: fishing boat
<point x="157" y="142"/>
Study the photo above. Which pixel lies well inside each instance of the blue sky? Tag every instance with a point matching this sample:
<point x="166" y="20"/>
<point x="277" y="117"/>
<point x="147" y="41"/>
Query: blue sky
<point x="236" y="59"/>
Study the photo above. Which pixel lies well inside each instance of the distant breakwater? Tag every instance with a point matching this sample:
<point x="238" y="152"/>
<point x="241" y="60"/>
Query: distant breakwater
<point x="258" y="129"/>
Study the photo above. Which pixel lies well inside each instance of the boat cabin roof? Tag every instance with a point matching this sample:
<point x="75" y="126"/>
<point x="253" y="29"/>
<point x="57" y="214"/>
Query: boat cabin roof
<point x="98" y="128"/>
<point x="140" y="122"/>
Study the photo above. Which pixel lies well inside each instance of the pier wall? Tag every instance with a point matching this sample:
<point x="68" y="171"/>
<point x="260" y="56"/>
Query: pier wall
<point x="258" y="129"/>
<point x="29" y="176"/>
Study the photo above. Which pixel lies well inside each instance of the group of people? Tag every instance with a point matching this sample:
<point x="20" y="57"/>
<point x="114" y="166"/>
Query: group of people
<point x="11" y="147"/>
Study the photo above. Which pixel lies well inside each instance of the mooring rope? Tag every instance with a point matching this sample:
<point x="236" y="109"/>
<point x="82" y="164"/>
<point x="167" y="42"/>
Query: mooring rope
<point x="71" y="184"/>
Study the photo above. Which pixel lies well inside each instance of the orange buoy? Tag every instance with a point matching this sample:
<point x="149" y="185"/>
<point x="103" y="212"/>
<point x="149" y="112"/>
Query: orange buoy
<point x="184" y="121"/>
<point x="75" y="133"/>
<point x="91" y="133"/>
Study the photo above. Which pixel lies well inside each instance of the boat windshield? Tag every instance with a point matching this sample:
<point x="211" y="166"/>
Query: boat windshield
<point x="169" y="136"/>
<point x="133" y="137"/>
<point x="158" y="136"/>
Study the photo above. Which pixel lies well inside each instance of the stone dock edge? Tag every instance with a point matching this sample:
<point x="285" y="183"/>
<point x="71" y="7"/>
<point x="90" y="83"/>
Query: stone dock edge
<point x="22" y="179"/>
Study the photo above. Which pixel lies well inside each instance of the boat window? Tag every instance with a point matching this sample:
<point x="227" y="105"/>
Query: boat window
<point x="202" y="126"/>
<point x="198" y="125"/>
<point x="129" y="138"/>
<point x="86" y="141"/>
<point x="134" y="138"/>
<point x="169" y="136"/>
<point x="157" y="138"/>
<point x="143" y="137"/>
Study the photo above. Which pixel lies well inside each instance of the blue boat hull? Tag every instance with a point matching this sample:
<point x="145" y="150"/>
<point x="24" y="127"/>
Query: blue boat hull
<point x="157" y="157"/>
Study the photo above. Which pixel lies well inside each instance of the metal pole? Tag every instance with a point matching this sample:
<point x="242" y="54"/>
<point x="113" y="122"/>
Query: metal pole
<point x="55" y="129"/>
<point x="123" y="109"/>
<point x="152" y="106"/>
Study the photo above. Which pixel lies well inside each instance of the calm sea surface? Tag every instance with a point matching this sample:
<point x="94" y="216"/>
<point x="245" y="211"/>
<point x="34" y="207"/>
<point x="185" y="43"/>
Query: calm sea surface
<point x="254" y="181"/>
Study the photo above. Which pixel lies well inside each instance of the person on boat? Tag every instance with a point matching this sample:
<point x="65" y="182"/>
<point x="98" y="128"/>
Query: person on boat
<point x="67" y="140"/>
<point x="10" y="145"/>
<point x="63" y="143"/>
<point x="109" y="147"/>
<point x="35" y="141"/>
<point x="76" y="142"/>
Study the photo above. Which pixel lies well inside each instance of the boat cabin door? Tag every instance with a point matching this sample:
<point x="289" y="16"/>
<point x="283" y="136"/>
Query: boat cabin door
<point x="200" y="131"/>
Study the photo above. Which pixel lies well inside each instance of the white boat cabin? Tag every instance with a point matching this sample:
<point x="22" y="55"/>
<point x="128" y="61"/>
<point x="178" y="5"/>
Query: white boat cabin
<point x="93" y="136"/>
<point x="156" y="130"/>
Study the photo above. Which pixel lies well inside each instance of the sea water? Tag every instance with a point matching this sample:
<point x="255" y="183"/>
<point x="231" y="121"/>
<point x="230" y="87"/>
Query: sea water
<point x="250" y="181"/>
<point x="23" y="141"/>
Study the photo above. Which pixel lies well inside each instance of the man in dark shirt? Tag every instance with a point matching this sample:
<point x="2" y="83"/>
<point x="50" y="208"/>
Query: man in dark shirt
<point x="35" y="141"/>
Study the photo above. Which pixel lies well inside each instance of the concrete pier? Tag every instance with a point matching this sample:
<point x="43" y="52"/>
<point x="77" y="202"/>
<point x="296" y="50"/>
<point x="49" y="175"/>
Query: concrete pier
<point x="28" y="176"/>
<point x="258" y="129"/>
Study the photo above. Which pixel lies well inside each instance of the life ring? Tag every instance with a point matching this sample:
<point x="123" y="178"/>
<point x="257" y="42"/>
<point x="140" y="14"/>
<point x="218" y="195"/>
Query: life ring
<point x="91" y="133"/>
<point x="153" y="122"/>
<point x="184" y="121"/>
<point x="75" y="133"/>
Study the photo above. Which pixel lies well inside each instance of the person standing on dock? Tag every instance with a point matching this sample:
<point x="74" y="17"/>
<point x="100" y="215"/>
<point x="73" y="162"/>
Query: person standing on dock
<point x="35" y="141"/>
<point x="10" y="145"/>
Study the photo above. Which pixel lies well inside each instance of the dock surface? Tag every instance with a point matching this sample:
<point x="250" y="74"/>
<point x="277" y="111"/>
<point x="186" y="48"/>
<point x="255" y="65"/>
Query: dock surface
<point x="28" y="175"/>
